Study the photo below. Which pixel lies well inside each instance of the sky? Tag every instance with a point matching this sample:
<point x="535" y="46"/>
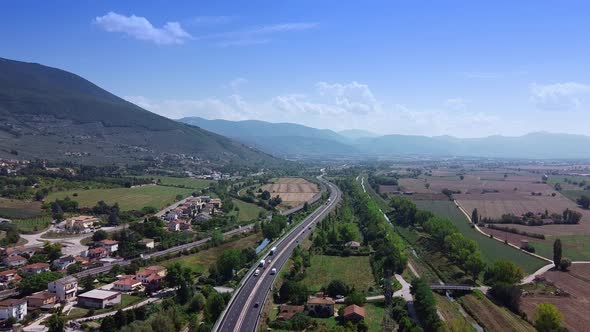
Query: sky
<point x="460" y="68"/>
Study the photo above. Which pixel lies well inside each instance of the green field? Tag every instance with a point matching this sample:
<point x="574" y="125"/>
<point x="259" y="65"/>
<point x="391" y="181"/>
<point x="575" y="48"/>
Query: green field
<point x="33" y="225"/>
<point x="248" y="211"/>
<point x="128" y="198"/>
<point x="575" y="247"/>
<point x="14" y="208"/>
<point x="179" y="182"/>
<point x="374" y="316"/>
<point x="201" y="261"/>
<point x="491" y="249"/>
<point x="493" y="318"/>
<point x="353" y="270"/>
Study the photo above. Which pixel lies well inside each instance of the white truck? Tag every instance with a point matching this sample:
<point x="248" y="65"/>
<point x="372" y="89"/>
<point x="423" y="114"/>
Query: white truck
<point x="261" y="264"/>
<point x="273" y="250"/>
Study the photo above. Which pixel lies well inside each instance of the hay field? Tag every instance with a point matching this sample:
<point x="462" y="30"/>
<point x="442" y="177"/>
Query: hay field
<point x="293" y="191"/>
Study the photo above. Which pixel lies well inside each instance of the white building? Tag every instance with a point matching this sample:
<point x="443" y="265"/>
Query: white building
<point x="15" y="308"/>
<point x="65" y="288"/>
<point x="99" y="299"/>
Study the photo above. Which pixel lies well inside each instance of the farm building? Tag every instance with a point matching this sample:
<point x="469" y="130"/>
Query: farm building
<point x="99" y="299"/>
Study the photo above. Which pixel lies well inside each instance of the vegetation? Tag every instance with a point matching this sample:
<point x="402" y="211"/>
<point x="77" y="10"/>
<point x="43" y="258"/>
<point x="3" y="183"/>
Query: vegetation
<point x="425" y="305"/>
<point x="548" y="318"/>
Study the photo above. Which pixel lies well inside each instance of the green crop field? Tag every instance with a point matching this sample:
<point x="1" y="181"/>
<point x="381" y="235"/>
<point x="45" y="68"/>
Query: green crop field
<point x="201" y="261"/>
<point x="374" y="316"/>
<point x="248" y="211"/>
<point x="180" y="182"/>
<point x="128" y="198"/>
<point x="353" y="270"/>
<point x="575" y="247"/>
<point x="14" y="208"/>
<point x="491" y="249"/>
<point x="33" y="224"/>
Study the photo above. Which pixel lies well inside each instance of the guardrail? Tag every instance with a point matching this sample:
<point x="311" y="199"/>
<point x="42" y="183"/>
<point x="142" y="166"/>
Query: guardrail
<point x="254" y="267"/>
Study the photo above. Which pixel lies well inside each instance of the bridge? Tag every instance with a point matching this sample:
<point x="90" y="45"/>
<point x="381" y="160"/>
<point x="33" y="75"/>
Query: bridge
<point x="467" y="288"/>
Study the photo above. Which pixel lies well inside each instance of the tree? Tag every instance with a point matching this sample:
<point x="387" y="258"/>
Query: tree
<point x="474" y="265"/>
<point x="584" y="201"/>
<point x="120" y="319"/>
<point x="113" y="219"/>
<point x="565" y="263"/>
<point x="474" y="216"/>
<point x="305" y="207"/>
<point x="108" y="324"/>
<point x="100" y="235"/>
<point x="547" y="318"/>
<point x="265" y="195"/>
<point x="55" y="323"/>
<point x="557" y="252"/>
<point x="507" y="294"/>
<point x="337" y="287"/>
<point x="425" y="304"/>
<point x="503" y="271"/>
<point x="214" y="306"/>
<point x="355" y="297"/>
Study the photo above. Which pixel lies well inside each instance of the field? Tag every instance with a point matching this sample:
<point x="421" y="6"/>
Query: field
<point x="13" y="208"/>
<point x="248" y="211"/>
<point x="293" y="191"/>
<point x="491" y="249"/>
<point x="575" y="247"/>
<point x="201" y="261"/>
<point x="128" y="198"/>
<point x="32" y="225"/>
<point x="492" y="317"/>
<point x="179" y="182"/>
<point x="354" y="270"/>
<point x="574" y="307"/>
<point x="374" y="316"/>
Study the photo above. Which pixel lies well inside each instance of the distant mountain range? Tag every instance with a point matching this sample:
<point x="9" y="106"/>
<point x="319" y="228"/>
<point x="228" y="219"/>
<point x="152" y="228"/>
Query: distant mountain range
<point x="298" y="141"/>
<point x="53" y="114"/>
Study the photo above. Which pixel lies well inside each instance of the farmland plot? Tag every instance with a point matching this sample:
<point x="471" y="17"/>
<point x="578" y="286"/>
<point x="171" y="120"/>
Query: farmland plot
<point x="293" y="191"/>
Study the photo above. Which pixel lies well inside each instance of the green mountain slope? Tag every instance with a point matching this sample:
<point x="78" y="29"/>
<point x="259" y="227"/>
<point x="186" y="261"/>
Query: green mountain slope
<point x="53" y="114"/>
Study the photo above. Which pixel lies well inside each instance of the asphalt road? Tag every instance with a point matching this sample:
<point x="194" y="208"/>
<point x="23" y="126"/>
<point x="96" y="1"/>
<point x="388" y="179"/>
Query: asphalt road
<point x="241" y="315"/>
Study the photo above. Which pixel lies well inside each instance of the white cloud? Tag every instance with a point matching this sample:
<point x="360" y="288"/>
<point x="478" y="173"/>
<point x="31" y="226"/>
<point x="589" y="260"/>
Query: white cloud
<point x="352" y="97"/>
<point x="140" y="28"/>
<point x="211" y="108"/>
<point x="558" y="96"/>
<point x="456" y="103"/>
<point x="257" y="35"/>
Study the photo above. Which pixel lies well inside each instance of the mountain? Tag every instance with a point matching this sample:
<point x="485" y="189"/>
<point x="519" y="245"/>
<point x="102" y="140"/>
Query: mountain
<point x="293" y="140"/>
<point x="281" y="139"/>
<point x="53" y="114"/>
<point x="357" y="133"/>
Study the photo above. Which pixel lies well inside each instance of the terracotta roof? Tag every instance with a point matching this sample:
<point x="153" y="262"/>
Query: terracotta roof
<point x="7" y="272"/>
<point x="12" y="302"/>
<point x="354" y="309"/>
<point x="36" y="266"/>
<point x="109" y="242"/>
<point x="127" y="282"/>
<point x="97" y="250"/>
<point x="153" y="277"/>
<point x="42" y="295"/>
<point x="15" y="258"/>
<point x="320" y="300"/>
<point x="155" y="268"/>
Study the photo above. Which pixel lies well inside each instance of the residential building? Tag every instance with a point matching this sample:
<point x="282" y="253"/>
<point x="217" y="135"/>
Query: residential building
<point x="36" y="268"/>
<point x="202" y="217"/>
<point x="354" y="313"/>
<point x="13" y="308"/>
<point x="174" y="226"/>
<point x="99" y="299"/>
<point x="81" y="223"/>
<point x="110" y="245"/>
<point x="63" y="262"/>
<point x="216" y="202"/>
<point x="17" y="251"/>
<point x="65" y="288"/>
<point x="320" y="306"/>
<point x="287" y="311"/>
<point x="15" y="261"/>
<point x="126" y="284"/>
<point x="353" y="245"/>
<point x="97" y="253"/>
<point x="148" y="243"/>
<point x="154" y="272"/>
<point x="9" y="276"/>
<point x="41" y="300"/>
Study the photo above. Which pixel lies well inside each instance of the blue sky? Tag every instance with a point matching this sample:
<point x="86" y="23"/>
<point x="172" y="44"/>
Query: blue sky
<point x="462" y="68"/>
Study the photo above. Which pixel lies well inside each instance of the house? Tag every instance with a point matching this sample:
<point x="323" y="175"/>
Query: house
<point x="65" y="288"/>
<point x="202" y="217"/>
<point x="216" y="202"/>
<point x="320" y="305"/>
<point x="354" y="313"/>
<point x="353" y="245"/>
<point x="81" y="223"/>
<point x="110" y="245"/>
<point x="151" y="274"/>
<point x="126" y="284"/>
<point x="14" y="261"/>
<point x="9" y="276"/>
<point x="148" y="243"/>
<point x="36" y="268"/>
<point x="63" y="262"/>
<point x="97" y="253"/>
<point x="174" y="226"/>
<point x="99" y="299"/>
<point x="13" y="308"/>
<point x="17" y="251"/>
<point x="171" y="216"/>
<point x="287" y="311"/>
<point x="41" y="300"/>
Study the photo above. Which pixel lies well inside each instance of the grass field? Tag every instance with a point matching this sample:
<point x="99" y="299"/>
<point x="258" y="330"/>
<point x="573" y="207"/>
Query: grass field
<point x="374" y="316"/>
<point x="492" y="317"/>
<point x="454" y="320"/>
<point x="491" y="249"/>
<point x="575" y="247"/>
<point x="180" y="182"/>
<point x="33" y="224"/>
<point x="128" y="198"/>
<point x="14" y="208"/>
<point x="354" y="270"/>
<point x="248" y="211"/>
<point x="201" y="261"/>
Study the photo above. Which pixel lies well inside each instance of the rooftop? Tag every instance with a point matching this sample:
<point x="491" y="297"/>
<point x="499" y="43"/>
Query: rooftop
<point x="354" y="309"/>
<point x="99" y="294"/>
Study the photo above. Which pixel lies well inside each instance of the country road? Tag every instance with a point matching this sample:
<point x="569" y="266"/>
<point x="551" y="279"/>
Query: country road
<point x="244" y="309"/>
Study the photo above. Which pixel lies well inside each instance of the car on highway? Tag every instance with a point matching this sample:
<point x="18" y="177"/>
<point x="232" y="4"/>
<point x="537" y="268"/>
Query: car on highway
<point x="257" y="272"/>
<point x="256" y="305"/>
<point x="273" y="270"/>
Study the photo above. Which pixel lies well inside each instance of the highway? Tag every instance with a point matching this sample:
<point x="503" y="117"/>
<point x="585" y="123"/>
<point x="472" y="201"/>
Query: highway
<point x="242" y="313"/>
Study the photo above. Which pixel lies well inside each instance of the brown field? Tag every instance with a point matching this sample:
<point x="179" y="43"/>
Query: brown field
<point x="513" y="238"/>
<point x="293" y="191"/>
<point x="14" y="208"/>
<point x="574" y="307"/>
